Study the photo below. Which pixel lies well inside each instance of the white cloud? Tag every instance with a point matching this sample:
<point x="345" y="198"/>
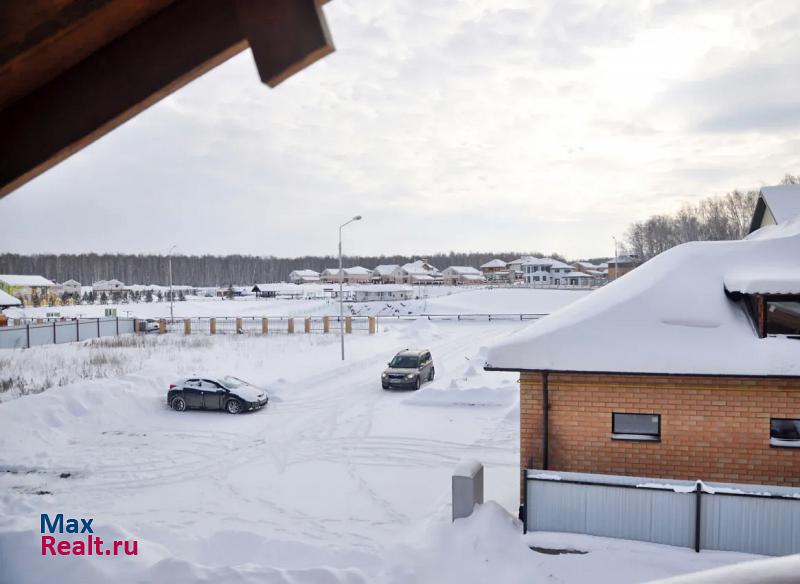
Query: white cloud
<point x="470" y="125"/>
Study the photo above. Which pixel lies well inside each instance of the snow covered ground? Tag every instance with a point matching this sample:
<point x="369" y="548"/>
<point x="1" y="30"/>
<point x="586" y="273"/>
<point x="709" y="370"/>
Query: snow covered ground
<point x="438" y="300"/>
<point x="336" y="481"/>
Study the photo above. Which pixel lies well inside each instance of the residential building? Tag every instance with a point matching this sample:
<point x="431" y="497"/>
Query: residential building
<point x="304" y="277"/>
<point x="383" y="274"/>
<point x="380" y="292"/>
<point x="355" y="275"/>
<point x="26" y="286"/>
<point x="687" y="368"/>
<point x="497" y="271"/>
<point x="72" y="287"/>
<point x="419" y="272"/>
<point x="619" y="266"/>
<point x="776" y="205"/>
<point x="111" y="288"/>
<point x="542" y="271"/>
<point x="278" y="290"/>
<point x="461" y="275"/>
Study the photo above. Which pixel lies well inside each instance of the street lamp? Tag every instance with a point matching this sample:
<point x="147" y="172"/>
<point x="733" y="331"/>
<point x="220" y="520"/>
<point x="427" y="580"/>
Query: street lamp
<point x="341" y="283"/>
<point x="616" y="259"/>
<point x="171" y="317"/>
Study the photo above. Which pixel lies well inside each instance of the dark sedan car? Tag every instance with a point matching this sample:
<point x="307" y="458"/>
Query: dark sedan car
<point x="226" y="392"/>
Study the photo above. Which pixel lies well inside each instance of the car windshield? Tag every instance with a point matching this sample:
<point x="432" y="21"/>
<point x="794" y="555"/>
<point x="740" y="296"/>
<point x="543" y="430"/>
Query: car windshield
<point x="404" y="362"/>
<point x="231" y="382"/>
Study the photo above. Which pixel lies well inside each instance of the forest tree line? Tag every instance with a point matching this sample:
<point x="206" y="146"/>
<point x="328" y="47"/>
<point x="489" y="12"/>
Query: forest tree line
<point x="712" y="219"/>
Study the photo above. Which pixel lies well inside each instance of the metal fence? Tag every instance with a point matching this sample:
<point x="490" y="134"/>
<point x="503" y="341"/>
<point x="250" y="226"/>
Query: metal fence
<point x="754" y="519"/>
<point x="25" y="336"/>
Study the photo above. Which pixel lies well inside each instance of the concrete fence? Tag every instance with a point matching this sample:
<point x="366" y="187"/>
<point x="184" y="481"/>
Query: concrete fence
<point x="755" y="519"/>
<point x="24" y="336"/>
<point x="264" y="325"/>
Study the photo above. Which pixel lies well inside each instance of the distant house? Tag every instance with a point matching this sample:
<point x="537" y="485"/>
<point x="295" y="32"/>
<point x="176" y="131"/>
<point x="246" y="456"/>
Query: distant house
<point x="687" y="368"/>
<point x="542" y="271"/>
<point x="461" y="275"/>
<point x="775" y="205"/>
<point x="26" y="286"/>
<point x="355" y="275"/>
<point x="383" y="274"/>
<point x="381" y="292"/>
<point x="497" y="270"/>
<point x="110" y="288"/>
<point x="418" y="272"/>
<point x="72" y="287"/>
<point x="304" y="277"/>
<point x="619" y="266"/>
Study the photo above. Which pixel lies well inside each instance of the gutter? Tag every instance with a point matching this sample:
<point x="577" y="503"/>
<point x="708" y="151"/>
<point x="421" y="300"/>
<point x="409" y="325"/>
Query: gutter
<point x="642" y="373"/>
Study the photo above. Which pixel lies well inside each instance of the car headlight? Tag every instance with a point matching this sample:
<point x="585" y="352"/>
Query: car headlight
<point x="411" y="376"/>
<point x="383" y="374"/>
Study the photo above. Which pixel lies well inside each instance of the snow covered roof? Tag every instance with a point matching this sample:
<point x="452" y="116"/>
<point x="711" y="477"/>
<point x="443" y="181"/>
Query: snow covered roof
<point x="473" y="277"/>
<point x="278" y="287"/>
<point x="671" y="315"/>
<point x="575" y="274"/>
<point x="463" y="270"/>
<point x="534" y="261"/>
<point x="304" y="274"/>
<point x="385" y="269"/>
<point x="588" y="265"/>
<point x="7" y="299"/>
<point x="25" y="280"/>
<point x="494" y="264"/>
<point x="380" y="288"/>
<point x="71" y="283"/>
<point x="776" y="205"/>
<point x="419" y="267"/>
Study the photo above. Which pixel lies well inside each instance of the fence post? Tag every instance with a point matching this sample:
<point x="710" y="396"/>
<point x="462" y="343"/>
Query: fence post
<point x="162" y="326"/>
<point x="117" y="318"/>
<point x="697" y="508"/>
<point x="212" y="326"/>
<point x="373" y="325"/>
<point x="187" y="326"/>
<point x="98" y="328"/>
<point x="54" y="332"/>
<point x="78" y="329"/>
<point x="348" y="324"/>
<point x="290" y="325"/>
<point x="307" y="325"/>
<point x="265" y="325"/>
<point x="239" y="328"/>
<point x="28" y="334"/>
<point x="326" y="324"/>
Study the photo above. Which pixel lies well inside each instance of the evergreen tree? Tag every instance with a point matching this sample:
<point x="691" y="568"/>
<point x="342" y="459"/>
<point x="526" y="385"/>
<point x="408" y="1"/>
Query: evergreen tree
<point x="160" y="296"/>
<point x="103" y="298"/>
<point x="148" y="295"/>
<point x="181" y="297"/>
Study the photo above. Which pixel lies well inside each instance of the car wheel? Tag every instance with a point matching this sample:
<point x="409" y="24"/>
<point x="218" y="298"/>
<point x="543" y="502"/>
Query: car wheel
<point x="432" y="373"/>
<point x="233" y="406"/>
<point x="178" y="404"/>
<point x="419" y="383"/>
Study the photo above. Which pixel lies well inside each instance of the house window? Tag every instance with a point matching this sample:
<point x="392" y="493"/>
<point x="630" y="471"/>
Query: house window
<point x="783" y="317"/>
<point x="636" y="426"/>
<point x="784" y="432"/>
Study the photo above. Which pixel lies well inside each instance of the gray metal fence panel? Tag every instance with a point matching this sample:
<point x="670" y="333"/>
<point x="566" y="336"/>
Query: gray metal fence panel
<point x="66" y="332"/>
<point x="23" y="336"/>
<point x="755" y="519"/>
<point x="41" y="334"/>
<point x="108" y="327"/>
<point x="13" y="337"/>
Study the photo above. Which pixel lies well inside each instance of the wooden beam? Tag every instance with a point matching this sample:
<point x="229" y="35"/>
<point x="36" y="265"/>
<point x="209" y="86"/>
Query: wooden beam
<point x="114" y="84"/>
<point x="286" y="36"/>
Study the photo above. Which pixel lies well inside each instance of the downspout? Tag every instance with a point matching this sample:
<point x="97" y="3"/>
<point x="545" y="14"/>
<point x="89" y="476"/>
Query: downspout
<point x="545" y="418"/>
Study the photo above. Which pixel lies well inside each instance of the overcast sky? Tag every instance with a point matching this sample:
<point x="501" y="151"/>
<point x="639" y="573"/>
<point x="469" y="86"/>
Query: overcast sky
<point x="469" y="125"/>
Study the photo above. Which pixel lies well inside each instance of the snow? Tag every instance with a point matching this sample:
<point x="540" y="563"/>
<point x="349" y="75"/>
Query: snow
<point x="467" y="468"/>
<point x="335" y="481"/>
<point x="670" y="315"/>
<point x="25" y="280"/>
<point x="494" y="264"/>
<point x="772" y="571"/>
<point x="783" y="201"/>
<point x="7" y="299"/>
<point x="759" y="282"/>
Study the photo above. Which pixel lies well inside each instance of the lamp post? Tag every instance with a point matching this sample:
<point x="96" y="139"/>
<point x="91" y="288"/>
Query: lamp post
<point x="341" y="283"/>
<point x="616" y="260"/>
<point x="171" y="317"/>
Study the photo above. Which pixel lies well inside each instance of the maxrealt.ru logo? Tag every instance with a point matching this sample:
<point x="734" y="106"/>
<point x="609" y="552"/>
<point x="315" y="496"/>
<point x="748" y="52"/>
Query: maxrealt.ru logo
<point x="90" y="545"/>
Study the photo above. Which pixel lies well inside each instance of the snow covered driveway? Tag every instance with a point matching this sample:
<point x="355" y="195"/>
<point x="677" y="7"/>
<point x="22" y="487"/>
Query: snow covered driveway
<point x="333" y="467"/>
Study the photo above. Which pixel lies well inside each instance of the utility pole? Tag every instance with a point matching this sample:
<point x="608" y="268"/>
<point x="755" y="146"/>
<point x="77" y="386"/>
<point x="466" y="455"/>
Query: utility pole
<point x="616" y="260"/>
<point x="341" y="283"/>
<point x="171" y="317"/>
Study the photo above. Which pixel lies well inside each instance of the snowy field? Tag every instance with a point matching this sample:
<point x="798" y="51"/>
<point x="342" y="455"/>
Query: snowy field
<point x="438" y="300"/>
<point x="335" y="481"/>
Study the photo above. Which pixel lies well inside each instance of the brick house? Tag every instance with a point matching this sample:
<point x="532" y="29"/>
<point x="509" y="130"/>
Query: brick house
<point x="687" y="368"/>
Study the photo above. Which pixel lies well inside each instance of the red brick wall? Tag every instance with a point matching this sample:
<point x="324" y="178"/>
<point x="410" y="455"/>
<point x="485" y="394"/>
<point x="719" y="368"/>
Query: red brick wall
<point x="711" y="428"/>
